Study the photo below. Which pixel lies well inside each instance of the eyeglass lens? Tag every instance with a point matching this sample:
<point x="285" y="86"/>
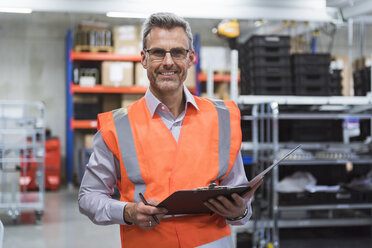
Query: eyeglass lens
<point x="159" y="54"/>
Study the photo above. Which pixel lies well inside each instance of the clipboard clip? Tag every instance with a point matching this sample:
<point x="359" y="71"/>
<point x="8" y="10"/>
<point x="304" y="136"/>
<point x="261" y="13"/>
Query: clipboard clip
<point x="212" y="185"/>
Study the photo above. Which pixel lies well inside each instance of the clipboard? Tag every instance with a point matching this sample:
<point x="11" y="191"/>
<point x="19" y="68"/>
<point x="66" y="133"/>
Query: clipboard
<point x="191" y="201"/>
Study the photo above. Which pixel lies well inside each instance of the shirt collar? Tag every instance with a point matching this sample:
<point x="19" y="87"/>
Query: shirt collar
<point x="153" y="102"/>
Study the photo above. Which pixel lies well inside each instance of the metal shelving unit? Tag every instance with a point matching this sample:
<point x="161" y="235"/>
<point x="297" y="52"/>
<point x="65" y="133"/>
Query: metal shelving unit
<point x="22" y="152"/>
<point x="266" y="147"/>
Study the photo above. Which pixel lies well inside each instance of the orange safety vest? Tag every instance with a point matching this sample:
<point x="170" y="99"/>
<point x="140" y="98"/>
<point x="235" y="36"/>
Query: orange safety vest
<point x="152" y="162"/>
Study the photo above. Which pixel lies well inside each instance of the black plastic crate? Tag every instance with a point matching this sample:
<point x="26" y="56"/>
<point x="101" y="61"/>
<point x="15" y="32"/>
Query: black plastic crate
<point x="359" y="92"/>
<point x="245" y="86"/>
<point x="269" y="71"/>
<point x="336" y="73"/>
<point x="246" y="127"/>
<point x="366" y="75"/>
<point x="365" y="130"/>
<point x="271" y="81"/>
<point x="296" y="199"/>
<point x="272" y="90"/>
<point x="269" y="41"/>
<point x="86" y="111"/>
<point x="307" y="198"/>
<point x="317" y="130"/>
<point x="335" y="82"/>
<point x="311" y="58"/>
<point x="357" y="78"/>
<point x="285" y="130"/>
<point x="309" y="69"/>
<point x="335" y="91"/>
<point x="270" y="61"/>
<point x="301" y="80"/>
<point x="269" y="51"/>
<point x="311" y="90"/>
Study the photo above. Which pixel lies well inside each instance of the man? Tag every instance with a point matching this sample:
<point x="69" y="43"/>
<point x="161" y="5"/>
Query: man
<point x="167" y="141"/>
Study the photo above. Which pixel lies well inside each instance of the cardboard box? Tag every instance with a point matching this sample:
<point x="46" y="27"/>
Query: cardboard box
<point x="111" y="102"/>
<point x="117" y="73"/>
<point x="190" y="81"/>
<point x="126" y="33"/>
<point x="88" y="141"/>
<point x="85" y="98"/>
<point x="341" y="62"/>
<point x="141" y="76"/>
<point x="127" y="39"/>
<point x="128" y="99"/>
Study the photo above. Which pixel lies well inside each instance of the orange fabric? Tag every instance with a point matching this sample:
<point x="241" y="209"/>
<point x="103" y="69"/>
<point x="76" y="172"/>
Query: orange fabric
<point x="167" y="166"/>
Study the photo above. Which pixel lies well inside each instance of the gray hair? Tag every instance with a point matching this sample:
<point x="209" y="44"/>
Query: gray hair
<point x="167" y="21"/>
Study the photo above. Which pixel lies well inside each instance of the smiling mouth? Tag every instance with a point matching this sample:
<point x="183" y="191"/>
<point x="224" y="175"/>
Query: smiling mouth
<point x="167" y="73"/>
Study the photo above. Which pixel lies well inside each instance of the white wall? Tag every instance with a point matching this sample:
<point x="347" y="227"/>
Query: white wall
<point x="32" y="55"/>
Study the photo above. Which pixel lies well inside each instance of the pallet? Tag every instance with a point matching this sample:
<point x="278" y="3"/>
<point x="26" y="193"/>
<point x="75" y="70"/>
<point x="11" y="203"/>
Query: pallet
<point x="93" y="49"/>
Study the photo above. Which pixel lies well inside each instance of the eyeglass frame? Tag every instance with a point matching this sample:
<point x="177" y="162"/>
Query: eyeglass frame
<point x="166" y="51"/>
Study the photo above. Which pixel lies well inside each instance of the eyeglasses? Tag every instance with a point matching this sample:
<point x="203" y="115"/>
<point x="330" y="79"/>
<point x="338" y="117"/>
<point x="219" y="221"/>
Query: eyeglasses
<point x="158" y="54"/>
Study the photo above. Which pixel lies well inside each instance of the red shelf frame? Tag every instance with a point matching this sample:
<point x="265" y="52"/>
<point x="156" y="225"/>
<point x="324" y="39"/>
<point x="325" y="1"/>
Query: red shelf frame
<point x="98" y="89"/>
<point x="104" y="56"/>
<point x="107" y="89"/>
<point x="216" y="78"/>
<point x="83" y="124"/>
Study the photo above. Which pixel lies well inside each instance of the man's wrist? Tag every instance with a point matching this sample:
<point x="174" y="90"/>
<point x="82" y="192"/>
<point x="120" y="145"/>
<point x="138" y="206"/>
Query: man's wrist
<point x="126" y="215"/>
<point x="239" y="217"/>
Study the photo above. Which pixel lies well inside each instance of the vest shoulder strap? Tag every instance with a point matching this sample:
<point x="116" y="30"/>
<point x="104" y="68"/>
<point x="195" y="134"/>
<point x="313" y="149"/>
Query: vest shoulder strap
<point x="106" y="124"/>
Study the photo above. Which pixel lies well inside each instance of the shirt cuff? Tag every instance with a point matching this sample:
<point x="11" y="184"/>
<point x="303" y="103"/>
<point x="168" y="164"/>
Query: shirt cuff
<point x="117" y="211"/>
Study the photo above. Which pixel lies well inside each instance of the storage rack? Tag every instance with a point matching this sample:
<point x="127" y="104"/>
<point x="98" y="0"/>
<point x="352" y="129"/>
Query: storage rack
<point x="266" y="146"/>
<point x="71" y="89"/>
<point x="22" y="151"/>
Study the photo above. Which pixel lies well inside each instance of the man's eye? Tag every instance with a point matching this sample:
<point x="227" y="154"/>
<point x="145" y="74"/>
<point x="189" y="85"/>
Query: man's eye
<point x="177" y="52"/>
<point x="158" y="52"/>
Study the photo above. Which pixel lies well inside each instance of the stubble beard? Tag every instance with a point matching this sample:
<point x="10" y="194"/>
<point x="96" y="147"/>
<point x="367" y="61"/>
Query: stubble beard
<point x="167" y="85"/>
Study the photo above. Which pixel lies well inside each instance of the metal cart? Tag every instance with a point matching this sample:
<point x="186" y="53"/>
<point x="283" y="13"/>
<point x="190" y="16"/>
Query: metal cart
<point x="22" y="156"/>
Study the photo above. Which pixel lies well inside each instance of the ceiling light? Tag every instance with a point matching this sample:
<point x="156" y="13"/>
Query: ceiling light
<point x="16" y="10"/>
<point x="126" y="15"/>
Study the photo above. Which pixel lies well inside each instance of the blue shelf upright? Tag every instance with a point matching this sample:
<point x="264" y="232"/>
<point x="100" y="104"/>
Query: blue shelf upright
<point x="69" y="112"/>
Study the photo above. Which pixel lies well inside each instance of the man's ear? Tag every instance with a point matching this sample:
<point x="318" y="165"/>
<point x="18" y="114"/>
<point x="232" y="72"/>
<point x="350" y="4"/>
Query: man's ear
<point x="144" y="59"/>
<point x="192" y="58"/>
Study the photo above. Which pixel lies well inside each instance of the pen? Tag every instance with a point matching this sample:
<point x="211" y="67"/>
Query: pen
<point x="146" y="203"/>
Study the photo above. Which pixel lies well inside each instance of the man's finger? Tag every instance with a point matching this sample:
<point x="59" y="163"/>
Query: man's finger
<point x="217" y="205"/>
<point x="212" y="208"/>
<point x="238" y="200"/>
<point x="226" y="202"/>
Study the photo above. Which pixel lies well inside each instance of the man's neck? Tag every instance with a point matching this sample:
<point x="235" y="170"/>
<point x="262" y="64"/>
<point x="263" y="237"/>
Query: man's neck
<point x="175" y="101"/>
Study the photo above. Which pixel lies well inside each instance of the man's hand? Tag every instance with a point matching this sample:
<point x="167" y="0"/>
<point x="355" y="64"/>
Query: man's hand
<point x="231" y="209"/>
<point x="140" y="214"/>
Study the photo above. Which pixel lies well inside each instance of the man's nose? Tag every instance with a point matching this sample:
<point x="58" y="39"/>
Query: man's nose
<point x="168" y="60"/>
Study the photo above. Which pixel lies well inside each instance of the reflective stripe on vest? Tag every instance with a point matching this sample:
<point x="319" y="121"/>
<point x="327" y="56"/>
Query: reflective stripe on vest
<point x="129" y="154"/>
<point x="128" y="151"/>
<point x="224" y="139"/>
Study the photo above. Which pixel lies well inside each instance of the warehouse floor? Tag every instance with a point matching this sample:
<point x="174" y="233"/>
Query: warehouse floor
<point x="64" y="226"/>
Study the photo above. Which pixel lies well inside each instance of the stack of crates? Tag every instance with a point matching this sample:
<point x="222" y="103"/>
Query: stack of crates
<point x="265" y="66"/>
<point x="335" y="83"/>
<point x="311" y="74"/>
<point x="362" y="81"/>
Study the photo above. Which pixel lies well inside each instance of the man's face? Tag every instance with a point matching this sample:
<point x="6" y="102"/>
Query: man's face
<point x="167" y="74"/>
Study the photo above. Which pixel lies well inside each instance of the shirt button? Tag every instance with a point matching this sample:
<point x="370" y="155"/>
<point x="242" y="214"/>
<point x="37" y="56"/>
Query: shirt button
<point x="162" y="107"/>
